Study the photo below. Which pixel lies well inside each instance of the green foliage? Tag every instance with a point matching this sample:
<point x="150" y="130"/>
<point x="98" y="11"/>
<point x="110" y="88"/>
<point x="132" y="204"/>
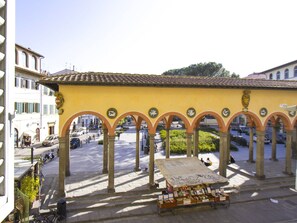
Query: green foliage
<point x="100" y="142"/>
<point x="30" y="187"/>
<point x="239" y="140"/>
<point x="210" y="69"/>
<point x="208" y="141"/>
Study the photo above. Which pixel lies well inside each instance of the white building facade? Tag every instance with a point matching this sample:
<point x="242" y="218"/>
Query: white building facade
<point x="286" y="71"/>
<point x="7" y="43"/>
<point x="36" y="114"/>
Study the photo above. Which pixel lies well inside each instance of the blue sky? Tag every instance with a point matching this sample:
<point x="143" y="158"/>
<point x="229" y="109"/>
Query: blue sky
<point x="152" y="36"/>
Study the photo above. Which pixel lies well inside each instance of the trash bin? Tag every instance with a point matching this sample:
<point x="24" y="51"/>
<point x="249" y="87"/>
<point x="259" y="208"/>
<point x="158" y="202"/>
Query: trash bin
<point x="61" y="207"/>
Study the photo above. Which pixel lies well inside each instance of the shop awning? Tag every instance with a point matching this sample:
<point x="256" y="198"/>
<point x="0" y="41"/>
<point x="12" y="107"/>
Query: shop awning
<point x="28" y="133"/>
<point x="188" y="171"/>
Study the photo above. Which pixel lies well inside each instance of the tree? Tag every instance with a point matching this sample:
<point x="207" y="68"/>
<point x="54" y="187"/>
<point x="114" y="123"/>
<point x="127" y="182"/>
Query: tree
<point x="210" y="69"/>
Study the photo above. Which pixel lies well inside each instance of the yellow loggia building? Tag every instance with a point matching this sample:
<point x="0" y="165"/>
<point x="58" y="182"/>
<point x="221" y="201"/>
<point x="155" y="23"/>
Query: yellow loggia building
<point x="154" y="98"/>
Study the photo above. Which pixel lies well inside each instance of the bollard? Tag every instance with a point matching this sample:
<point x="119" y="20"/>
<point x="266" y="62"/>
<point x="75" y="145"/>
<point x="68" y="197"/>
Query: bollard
<point x="61" y="207"/>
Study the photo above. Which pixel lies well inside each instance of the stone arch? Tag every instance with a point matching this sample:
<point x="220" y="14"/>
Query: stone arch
<point x="279" y="115"/>
<point x="214" y="114"/>
<point x="133" y="114"/>
<point x="70" y="119"/>
<point x="294" y="123"/>
<point x="252" y="116"/>
<point x="171" y="114"/>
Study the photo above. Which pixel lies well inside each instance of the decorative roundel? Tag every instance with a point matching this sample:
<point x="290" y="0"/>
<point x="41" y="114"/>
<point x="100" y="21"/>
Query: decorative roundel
<point x="112" y="113"/>
<point x="226" y="112"/>
<point x="263" y="112"/>
<point x="153" y="112"/>
<point x="292" y="113"/>
<point x="191" y="112"/>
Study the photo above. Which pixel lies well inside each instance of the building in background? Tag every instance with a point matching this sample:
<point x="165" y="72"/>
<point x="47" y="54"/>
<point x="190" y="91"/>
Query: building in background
<point x="287" y="71"/>
<point x="36" y="114"/>
<point x="7" y="45"/>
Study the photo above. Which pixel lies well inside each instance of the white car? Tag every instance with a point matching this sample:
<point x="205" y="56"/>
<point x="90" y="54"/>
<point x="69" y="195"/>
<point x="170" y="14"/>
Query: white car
<point x="51" y="140"/>
<point x="266" y="139"/>
<point x="76" y="133"/>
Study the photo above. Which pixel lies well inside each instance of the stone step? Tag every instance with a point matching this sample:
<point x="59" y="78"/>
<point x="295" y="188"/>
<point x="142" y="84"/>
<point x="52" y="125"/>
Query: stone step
<point x="112" y="200"/>
<point x="270" y="183"/>
<point x="110" y="212"/>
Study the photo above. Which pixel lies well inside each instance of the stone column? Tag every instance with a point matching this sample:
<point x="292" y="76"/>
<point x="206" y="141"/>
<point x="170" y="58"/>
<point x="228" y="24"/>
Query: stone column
<point x="260" y="155"/>
<point x="167" y="143"/>
<point x="105" y="151"/>
<point x="251" y="146"/>
<point x="294" y="144"/>
<point x="62" y="166"/>
<point x="288" y="168"/>
<point x="196" y="143"/>
<point x="111" y="164"/>
<point x="67" y="153"/>
<point x="152" y="161"/>
<point x="223" y="154"/>
<point x="189" y="144"/>
<point x="273" y="146"/>
<point x="294" y="153"/>
<point x="228" y="147"/>
<point x="137" y="151"/>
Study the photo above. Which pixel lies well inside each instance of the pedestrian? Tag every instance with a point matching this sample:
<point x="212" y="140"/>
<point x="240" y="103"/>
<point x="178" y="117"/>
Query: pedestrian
<point x="202" y="160"/>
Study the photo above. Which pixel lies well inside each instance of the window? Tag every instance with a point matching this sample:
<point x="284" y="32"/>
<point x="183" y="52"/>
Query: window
<point x="278" y="75"/>
<point x="295" y="71"/>
<point x="45" y="109"/>
<point x="32" y="85"/>
<point x="23" y="83"/>
<point x="30" y="107"/>
<point x="16" y="57"/>
<point x="17" y="82"/>
<point x="52" y="109"/>
<point x="37" y="107"/>
<point x="287" y="74"/>
<point x="24" y="59"/>
<point x="19" y="107"/>
<point x="33" y="63"/>
<point x="28" y="84"/>
<point x="270" y="76"/>
<point x="45" y="91"/>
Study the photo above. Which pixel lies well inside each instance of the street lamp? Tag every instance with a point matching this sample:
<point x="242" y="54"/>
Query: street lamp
<point x="293" y="109"/>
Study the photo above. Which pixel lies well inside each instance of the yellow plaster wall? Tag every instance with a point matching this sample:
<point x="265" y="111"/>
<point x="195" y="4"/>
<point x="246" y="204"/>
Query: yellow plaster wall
<point x="140" y="99"/>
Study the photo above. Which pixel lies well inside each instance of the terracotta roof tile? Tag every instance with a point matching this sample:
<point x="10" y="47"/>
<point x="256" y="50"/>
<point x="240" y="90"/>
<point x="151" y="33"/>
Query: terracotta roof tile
<point x="117" y="79"/>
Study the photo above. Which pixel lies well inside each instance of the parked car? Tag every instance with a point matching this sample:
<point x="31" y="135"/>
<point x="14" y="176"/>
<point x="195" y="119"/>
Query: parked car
<point x="76" y="133"/>
<point x="74" y="143"/>
<point x="266" y="139"/>
<point x="281" y="139"/>
<point x="50" y="140"/>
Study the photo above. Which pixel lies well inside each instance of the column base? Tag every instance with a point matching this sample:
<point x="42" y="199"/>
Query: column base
<point x="68" y="174"/>
<point x="262" y="177"/>
<point x="288" y="173"/>
<point x="136" y="169"/>
<point x="273" y="159"/>
<point x="152" y="186"/>
<point x="110" y="190"/>
<point x="62" y="194"/>
<point x="250" y="161"/>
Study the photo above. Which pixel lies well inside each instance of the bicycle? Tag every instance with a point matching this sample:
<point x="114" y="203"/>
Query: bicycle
<point x="52" y="217"/>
